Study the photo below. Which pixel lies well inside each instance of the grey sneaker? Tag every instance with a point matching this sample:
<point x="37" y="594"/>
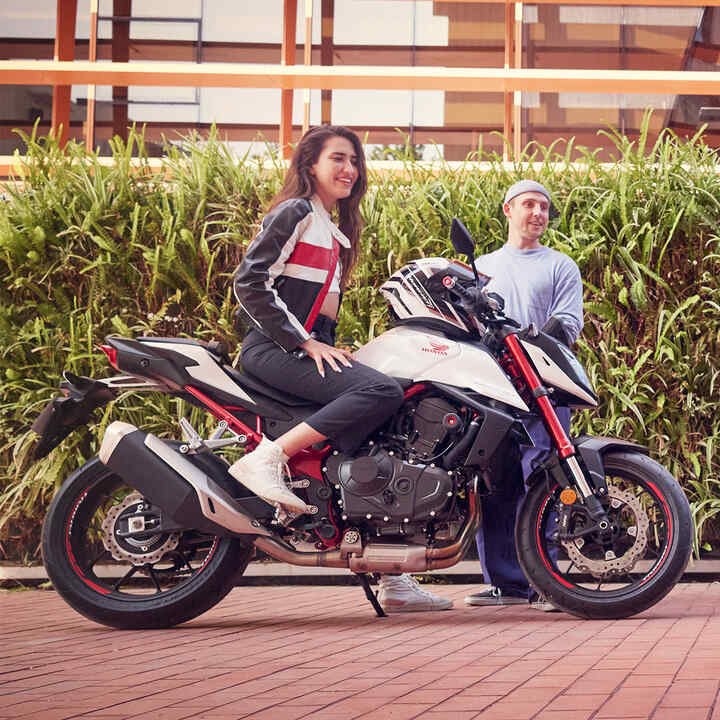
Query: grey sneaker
<point x="402" y="593"/>
<point x="494" y="596"/>
<point x="544" y="605"/>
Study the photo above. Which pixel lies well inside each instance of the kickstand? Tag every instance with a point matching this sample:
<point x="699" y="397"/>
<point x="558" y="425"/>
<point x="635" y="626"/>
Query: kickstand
<point x="370" y="595"/>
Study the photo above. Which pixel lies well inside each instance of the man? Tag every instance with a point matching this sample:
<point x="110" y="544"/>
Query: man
<point x="537" y="283"/>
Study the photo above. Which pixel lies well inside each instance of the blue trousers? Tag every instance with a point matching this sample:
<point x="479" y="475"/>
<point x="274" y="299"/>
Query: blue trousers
<point x="496" y="537"/>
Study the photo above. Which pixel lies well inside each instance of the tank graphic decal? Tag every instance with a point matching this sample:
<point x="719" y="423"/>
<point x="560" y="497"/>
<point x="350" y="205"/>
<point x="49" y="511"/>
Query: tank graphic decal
<point x="206" y="370"/>
<point x="422" y="356"/>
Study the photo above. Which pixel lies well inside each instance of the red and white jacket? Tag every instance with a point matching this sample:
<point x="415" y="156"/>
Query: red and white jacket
<point x="287" y="270"/>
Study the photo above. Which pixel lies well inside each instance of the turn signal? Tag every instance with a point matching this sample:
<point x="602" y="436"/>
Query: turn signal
<point x="568" y="496"/>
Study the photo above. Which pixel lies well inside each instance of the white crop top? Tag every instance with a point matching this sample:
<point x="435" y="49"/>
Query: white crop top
<point x="335" y="282"/>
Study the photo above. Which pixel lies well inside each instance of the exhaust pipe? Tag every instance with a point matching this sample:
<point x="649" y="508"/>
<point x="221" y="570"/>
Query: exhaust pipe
<point x="459" y="548"/>
<point x="170" y="481"/>
<point x="279" y="551"/>
<point x="378" y="557"/>
<point x="468" y="532"/>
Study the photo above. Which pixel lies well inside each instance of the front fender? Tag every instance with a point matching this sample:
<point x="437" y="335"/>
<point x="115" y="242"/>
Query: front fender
<point x="591" y="450"/>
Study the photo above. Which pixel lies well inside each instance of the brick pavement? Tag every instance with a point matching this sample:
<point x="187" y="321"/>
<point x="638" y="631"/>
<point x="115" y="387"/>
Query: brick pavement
<point x="319" y="652"/>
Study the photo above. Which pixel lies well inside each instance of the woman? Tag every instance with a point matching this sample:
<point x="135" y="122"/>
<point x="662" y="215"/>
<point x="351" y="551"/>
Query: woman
<point x="289" y="286"/>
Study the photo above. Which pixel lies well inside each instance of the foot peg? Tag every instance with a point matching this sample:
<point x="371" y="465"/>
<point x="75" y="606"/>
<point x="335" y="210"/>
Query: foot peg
<point x="284" y="516"/>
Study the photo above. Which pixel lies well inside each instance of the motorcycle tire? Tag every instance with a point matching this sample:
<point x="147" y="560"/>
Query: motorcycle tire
<point x="597" y="577"/>
<point x="185" y="573"/>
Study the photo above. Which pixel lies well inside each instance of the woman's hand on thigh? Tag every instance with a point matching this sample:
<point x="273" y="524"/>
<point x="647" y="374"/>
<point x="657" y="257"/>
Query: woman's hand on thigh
<point x="320" y="352"/>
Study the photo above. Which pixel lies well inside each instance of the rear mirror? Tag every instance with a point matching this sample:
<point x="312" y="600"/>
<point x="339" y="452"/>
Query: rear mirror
<point x="461" y="240"/>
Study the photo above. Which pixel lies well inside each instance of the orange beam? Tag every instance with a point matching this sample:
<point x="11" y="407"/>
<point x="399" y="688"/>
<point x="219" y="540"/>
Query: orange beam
<point x="509" y="59"/>
<point x="517" y="95"/>
<point x="627" y="3"/>
<point x="15" y="72"/>
<point x="326" y="56"/>
<point x="307" y="60"/>
<point x="92" y="57"/>
<point x="64" y="51"/>
<point x="287" y="53"/>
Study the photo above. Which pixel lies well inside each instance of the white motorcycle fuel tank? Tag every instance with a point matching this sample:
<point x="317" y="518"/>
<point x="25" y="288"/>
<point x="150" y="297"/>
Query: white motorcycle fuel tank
<point x="419" y="355"/>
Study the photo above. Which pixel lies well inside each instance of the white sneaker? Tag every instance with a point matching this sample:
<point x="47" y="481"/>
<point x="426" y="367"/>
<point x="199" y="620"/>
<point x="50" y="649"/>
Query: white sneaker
<point x="262" y="471"/>
<point x="402" y="593"/>
<point x="544" y="605"/>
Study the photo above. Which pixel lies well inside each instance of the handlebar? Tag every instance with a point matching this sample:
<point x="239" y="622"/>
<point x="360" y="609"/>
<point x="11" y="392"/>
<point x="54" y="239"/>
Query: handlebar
<point x="478" y="301"/>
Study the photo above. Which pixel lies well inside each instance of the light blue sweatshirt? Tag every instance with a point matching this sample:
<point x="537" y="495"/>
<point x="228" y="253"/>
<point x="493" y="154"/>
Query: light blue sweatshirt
<point x="536" y="284"/>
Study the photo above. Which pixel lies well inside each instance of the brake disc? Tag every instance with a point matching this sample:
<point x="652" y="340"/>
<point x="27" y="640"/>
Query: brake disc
<point x="621" y="501"/>
<point x="125" y="535"/>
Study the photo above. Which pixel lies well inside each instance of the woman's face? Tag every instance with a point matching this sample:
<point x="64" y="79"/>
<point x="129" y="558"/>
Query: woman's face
<point x="335" y="171"/>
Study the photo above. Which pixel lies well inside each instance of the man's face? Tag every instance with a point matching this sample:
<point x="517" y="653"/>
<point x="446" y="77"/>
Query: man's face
<point x="527" y="215"/>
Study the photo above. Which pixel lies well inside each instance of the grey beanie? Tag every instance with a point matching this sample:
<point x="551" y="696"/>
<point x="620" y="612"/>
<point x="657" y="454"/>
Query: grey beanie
<point x="523" y="186"/>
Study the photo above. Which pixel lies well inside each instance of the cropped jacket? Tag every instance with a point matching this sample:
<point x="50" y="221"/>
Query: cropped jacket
<point x="287" y="270"/>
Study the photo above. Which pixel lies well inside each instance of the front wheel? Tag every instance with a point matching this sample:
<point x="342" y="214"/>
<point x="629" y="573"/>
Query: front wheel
<point x="621" y="572"/>
<point x="104" y="559"/>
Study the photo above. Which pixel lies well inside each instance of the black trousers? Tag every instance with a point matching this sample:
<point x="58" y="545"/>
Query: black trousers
<point x="355" y="401"/>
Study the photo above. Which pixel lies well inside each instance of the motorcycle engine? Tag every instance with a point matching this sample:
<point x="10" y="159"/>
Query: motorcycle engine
<point x="393" y="487"/>
<point x="398" y="491"/>
<point x="388" y="492"/>
<point x="426" y="427"/>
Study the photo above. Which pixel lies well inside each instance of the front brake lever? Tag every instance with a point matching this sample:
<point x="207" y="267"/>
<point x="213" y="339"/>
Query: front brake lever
<point x="493" y="300"/>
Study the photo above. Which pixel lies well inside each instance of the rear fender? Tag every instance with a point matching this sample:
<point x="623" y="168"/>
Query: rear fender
<point x="69" y="411"/>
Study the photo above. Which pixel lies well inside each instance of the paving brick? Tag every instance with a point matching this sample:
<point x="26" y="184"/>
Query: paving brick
<point x="398" y="712"/>
<point x="503" y="710"/>
<point x="681" y="698"/>
<point x="289" y="653"/>
<point x="641" y="701"/>
<point x="577" y="702"/>
<point x="431" y="697"/>
<point x="687" y="713"/>
<point x="634" y="680"/>
<point x="564" y="715"/>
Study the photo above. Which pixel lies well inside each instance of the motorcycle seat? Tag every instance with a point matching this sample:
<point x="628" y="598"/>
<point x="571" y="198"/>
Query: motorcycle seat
<point x="255" y="385"/>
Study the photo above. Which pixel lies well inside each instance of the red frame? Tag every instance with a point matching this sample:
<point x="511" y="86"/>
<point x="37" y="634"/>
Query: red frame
<point x="222" y="413"/>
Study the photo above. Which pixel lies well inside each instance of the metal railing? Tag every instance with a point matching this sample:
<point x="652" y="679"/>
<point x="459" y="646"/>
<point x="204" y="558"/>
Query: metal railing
<point x="511" y="80"/>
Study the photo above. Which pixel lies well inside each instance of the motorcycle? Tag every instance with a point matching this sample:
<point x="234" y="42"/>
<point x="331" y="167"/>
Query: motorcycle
<point x="151" y="533"/>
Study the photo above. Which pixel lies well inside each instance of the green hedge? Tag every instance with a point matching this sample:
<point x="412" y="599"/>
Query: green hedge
<point x="88" y="249"/>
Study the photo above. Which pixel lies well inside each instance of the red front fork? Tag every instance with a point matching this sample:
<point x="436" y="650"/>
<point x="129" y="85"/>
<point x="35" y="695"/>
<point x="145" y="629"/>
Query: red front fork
<point x="565" y="448"/>
<point x="557" y="433"/>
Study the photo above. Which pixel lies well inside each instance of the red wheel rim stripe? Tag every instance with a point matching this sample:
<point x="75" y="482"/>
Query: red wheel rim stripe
<point x="659" y="564"/>
<point x="76" y="567"/>
<point x="543" y="557"/>
<point x="668" y="515"/>
<point x="71" y="555"/>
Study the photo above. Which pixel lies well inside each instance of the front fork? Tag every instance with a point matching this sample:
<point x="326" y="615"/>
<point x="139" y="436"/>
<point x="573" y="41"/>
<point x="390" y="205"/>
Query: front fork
<point x="567" y="471"/>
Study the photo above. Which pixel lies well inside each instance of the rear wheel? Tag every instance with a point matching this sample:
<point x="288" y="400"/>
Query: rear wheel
<point x="105" y="560"/>
<point x="621" y="572"/>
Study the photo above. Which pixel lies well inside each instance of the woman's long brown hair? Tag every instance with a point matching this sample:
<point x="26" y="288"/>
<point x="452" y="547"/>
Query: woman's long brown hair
<point x="299" y="183"/>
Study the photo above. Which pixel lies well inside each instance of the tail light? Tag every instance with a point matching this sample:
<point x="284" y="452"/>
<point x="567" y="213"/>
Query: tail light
<point x="111" y="353"/>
